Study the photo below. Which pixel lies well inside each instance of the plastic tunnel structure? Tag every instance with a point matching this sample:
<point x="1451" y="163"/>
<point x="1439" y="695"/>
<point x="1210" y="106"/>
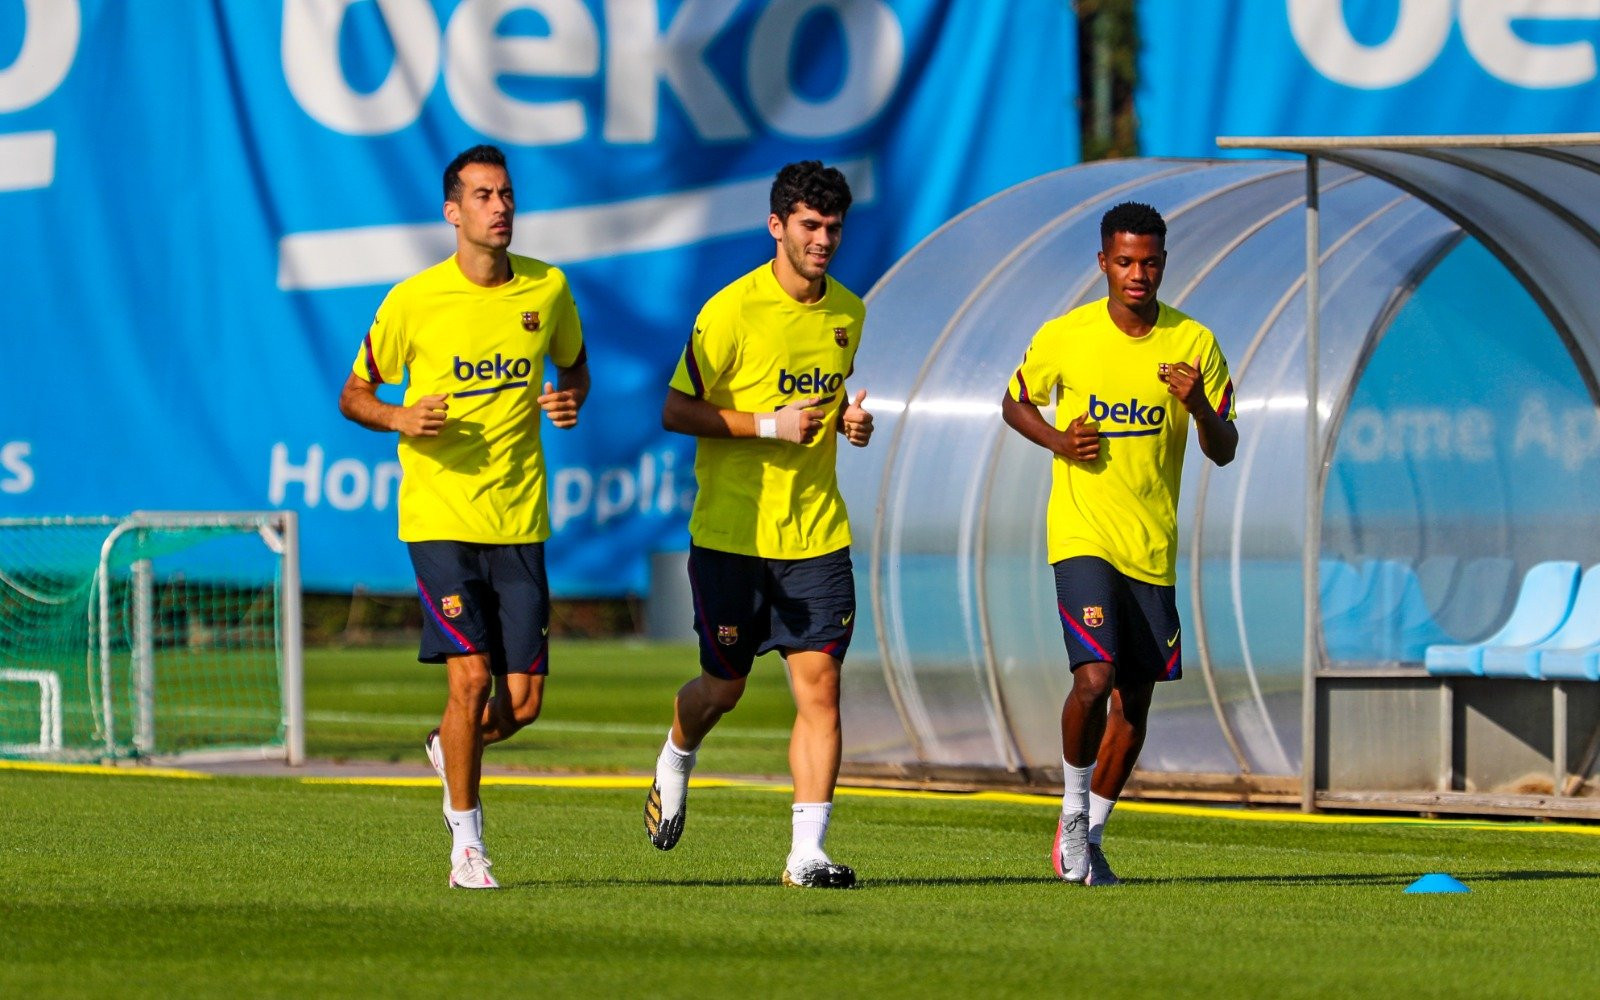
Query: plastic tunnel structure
<point x="1457" y="332"/>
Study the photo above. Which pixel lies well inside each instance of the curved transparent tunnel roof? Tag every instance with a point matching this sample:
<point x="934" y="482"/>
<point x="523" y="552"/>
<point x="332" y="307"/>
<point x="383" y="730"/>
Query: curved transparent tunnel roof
<point x="1458" y="328"/>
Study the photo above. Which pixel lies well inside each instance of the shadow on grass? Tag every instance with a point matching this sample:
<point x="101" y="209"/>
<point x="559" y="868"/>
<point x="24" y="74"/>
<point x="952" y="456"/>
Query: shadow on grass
<point x="865" y="883"/>
<point x="956" y="881"/>
<point x="1367" y="878"/>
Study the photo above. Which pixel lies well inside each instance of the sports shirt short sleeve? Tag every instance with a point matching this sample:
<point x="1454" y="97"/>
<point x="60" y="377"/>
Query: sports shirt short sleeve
<point x="382" y="356"/>
<point x="755" y="349"/>
<point x="1122" y="507"/>
<point x="482" y="479"/>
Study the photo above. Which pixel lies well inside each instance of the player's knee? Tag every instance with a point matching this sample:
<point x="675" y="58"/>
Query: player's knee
<point x="523" y="713"/>
<point x="722" y="695"/>
<point x="470" y="683"/>
<point x="818" y="697"/>
<point x="1092" y="682"/>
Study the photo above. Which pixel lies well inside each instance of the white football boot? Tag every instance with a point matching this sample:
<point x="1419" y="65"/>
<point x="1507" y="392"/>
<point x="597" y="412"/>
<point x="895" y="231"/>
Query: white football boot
<point x="1069" y="855"/>
<point x="471" y="871"/>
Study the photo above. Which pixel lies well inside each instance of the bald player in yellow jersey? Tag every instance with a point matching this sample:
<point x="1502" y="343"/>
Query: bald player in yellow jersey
<point x="761" y="386"/>
<point x="471" y="334"/>
<point x="1128" y="376"/>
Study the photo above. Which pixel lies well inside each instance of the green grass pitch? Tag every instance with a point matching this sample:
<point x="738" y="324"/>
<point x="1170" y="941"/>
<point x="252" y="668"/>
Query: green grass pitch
<point x="131" y="885"/>
<point x="607" y="708"/>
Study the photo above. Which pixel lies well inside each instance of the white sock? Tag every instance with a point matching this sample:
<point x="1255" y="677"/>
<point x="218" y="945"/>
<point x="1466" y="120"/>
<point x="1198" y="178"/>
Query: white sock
<point x="1075" y="795"/>
<point x="466" y="829"/>
<point x="810" y="827"/>
<point x="1099" y="812"/>
<point x="672" y="776"/>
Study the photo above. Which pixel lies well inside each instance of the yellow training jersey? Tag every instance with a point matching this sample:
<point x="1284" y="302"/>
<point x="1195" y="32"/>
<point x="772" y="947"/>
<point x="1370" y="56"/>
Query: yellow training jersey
<point x="1122" y="507"/>
<point x="755" y="349"/>
<point x="482" y="479"/>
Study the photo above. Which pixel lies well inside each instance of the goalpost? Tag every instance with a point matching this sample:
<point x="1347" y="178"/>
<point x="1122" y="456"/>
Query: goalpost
<point x="158" y="636"/>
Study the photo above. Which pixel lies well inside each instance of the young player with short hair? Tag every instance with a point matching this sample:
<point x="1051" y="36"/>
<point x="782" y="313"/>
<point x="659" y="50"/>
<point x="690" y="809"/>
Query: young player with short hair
<point x="761" y="387"/>
<point x="1128" y="376"/>
<point x="472" y="334"/>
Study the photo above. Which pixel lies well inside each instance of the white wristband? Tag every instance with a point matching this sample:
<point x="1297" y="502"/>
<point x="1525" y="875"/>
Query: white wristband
<point x="767" y="427"/>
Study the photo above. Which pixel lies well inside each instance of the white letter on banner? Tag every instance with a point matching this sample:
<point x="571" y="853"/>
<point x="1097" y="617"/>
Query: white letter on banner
<point x="14" y="457"/>
<point x="875" y="49"/>
<point x="570" y="494"/>
<point x="343" y="497"/>
<point x="311" y="65"/>
<point x="1486" y="26"/>
<point x="49" y="42"/>
<point x="1420" y="31"/>
<point x="478" y="57"/>
<point x="640" y="57"/>
<point x="309" y="475"/>
<point x="614" y="495"/>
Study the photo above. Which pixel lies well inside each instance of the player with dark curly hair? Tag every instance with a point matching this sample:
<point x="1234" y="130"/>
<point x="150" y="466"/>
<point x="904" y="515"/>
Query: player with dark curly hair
<point x="761" y="386"/>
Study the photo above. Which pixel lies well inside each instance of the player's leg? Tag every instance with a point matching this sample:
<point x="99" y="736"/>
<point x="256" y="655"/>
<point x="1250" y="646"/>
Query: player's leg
<point x="1151" y="652"/>
<point x="814" y="743"/>
<point x="460" y="736"/>
<point x="460" y="746"/>
<point x="517" y="702"/>
<point x="457" y="608"/>
<point x="1087" y="596"/>
<point x="814" y="751"/>
<point x="727" y="589"/>
<point x="522" y="598"/>
<point x="1126" y="721"/>
<point x="699" y="705"/>
<point x="813" y="616"/>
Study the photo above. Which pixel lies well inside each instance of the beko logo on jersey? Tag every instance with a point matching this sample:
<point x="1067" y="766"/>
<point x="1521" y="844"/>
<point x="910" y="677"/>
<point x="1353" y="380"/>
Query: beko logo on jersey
<point x="495" y="368"/>
<point x="1131" y="412"/>
<point x="808" y="382"/>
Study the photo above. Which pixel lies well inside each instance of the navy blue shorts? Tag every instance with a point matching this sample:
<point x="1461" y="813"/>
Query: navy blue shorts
<point x="484" y="599"/>
<point x="745" y="606"/>
<point x="1131" y="624"/>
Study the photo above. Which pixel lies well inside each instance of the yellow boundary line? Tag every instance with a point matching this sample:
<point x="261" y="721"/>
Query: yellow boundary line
<point x="137" y="772"/>
<point x="613" y="782"/>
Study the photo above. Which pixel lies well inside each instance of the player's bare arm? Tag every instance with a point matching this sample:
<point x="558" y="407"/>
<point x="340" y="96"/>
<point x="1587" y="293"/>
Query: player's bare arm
<point x="1079" y="440"/>
<point x="562" y="400"/>
<point x="1219" y="439"/>
<point x="855" y="423"/>
<point x="359" y="402"/>
<point x="796" y="423"/>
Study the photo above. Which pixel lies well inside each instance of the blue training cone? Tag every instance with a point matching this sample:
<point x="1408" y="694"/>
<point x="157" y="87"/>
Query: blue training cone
<point x="1437" y="882"/>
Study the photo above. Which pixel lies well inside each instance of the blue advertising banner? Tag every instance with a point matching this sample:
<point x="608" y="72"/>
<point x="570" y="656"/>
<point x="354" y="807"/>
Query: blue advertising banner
<point x="202" y="205"/>
<point x="1363" y="68"/>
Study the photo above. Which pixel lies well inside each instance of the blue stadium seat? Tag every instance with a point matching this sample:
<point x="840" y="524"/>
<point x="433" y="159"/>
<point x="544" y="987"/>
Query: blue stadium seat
<point x="1407" y="628"/>
<point x="1573" y="653"/>
<point x="1469" y="607"/>
<point x="1376" y="612"/>
<point x="1543" y="604"/>
<point x="1345" y="593"/>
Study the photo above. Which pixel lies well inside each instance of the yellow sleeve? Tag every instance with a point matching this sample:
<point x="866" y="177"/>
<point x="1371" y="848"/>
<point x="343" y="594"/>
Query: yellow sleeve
<point x="382" y="357"/>
<point x="1218" y="381"/>
<point x="708" y="355"/>
<point x="566" y="342"/>
<point x="1040" y="372"/>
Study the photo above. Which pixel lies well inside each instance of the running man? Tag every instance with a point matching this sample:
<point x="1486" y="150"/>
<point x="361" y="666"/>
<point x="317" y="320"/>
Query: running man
<point x="761" y="385"/>
<point x="472" y="333"/>
<point x="1128" y="376"/>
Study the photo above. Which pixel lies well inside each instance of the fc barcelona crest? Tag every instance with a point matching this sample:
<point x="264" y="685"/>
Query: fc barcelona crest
<point x="530" y="321"/>
<point x="841" y="337"/>
<point x="1094" y="616"/>
<point x="727" y="635"/>
<point x="450" y="604"/>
